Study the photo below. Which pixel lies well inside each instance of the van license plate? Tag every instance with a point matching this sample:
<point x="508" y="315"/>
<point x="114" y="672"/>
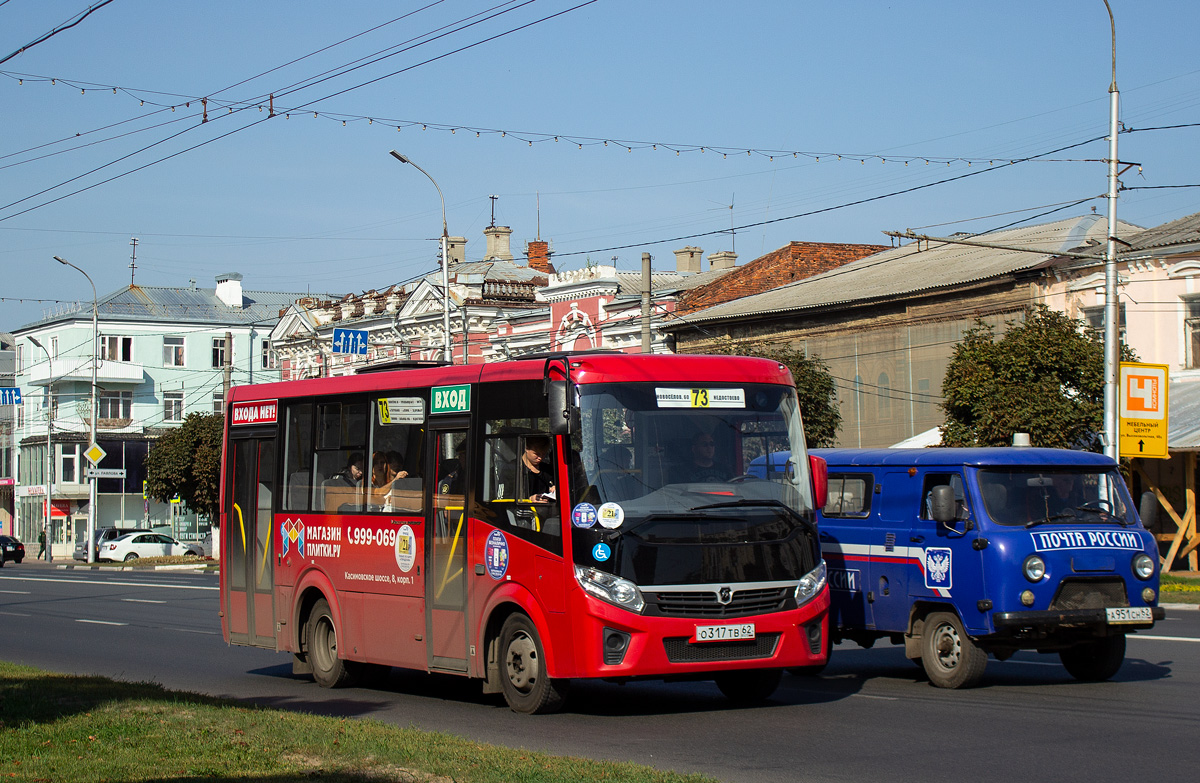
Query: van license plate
<point x="1133" y="614"/>
<point x="723" y="633"/>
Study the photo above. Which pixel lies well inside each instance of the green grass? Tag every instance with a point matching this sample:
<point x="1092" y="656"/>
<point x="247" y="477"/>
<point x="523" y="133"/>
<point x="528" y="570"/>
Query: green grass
<point x="71" y="729"/>
<point x="1179" y="590"/>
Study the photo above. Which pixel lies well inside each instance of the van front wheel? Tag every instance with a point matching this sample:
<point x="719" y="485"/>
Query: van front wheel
<point x="950" y="657"/>
<point x="1095" y="661"/>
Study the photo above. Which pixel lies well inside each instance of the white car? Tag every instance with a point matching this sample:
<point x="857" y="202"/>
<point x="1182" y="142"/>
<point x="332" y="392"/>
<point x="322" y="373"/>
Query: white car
<point x="131" y="546"/>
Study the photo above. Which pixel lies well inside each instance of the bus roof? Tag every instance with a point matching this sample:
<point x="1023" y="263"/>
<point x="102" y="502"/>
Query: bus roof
<point x="585" y="368"/>
<point x="993" y="457"/>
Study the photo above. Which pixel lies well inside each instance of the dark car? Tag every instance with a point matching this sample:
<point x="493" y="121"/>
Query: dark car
<point x="104" y="535"/>
<point x="11" y="549"/>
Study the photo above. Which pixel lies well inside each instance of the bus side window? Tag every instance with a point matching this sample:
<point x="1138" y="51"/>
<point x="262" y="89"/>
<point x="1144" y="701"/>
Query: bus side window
<point x="299" y="474"/>
<point x="394" y="473"/>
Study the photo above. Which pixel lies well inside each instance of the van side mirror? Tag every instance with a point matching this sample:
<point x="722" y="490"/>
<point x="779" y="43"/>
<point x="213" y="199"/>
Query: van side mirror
<point x="943" y="504"/>
<point x="564" y="416"/>
<point x="1148" y="510"/>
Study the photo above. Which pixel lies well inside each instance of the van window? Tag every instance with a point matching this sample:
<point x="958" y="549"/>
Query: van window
<point x="937" y="479"/>
<point x="849" y="495"/>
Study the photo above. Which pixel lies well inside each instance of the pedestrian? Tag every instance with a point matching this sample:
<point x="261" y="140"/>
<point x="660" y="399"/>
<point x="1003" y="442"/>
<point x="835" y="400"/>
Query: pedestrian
<point x="41" y="543"/>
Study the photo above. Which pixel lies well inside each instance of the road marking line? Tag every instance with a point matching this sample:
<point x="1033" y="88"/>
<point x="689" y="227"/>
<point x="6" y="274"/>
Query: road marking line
<point x="16" y="614"/>
<point x="100" y="622"/>
<point x="15" y="592"/>
<point x="194" y="630"/>
<point x="880" y="698"/>
<point x="103" y="583"/>
<point x="1164" y="638"/>
<point x="142" y="601"/>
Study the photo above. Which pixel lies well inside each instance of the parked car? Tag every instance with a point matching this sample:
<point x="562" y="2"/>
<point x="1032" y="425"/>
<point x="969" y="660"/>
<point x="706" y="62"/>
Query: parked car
<point x="11" y="549"/>
<point x="131" y="546"/>
<point x="103" y="536"/>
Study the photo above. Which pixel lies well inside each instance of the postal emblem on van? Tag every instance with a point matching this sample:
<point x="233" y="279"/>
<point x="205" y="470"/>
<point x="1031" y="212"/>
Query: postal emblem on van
<point x="938" y="572"/>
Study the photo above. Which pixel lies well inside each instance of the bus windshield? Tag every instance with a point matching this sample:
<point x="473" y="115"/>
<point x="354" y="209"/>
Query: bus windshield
<point x="1032" y="497"/>
<point x="667" y="467"/>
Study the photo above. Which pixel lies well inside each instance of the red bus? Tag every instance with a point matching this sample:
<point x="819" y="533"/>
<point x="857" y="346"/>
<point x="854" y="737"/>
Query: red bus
<point x="527" y="523"/>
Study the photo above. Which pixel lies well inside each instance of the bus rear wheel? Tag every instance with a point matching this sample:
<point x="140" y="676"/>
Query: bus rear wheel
<point x="1095" y="661"/>
<point x="321" y="649"/>
<point x="527" y="685"/>
<point x="751" y="686"/>
<point x="950" y="657"/>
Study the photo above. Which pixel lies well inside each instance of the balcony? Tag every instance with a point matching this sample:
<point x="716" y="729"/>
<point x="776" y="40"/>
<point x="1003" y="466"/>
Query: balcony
<point x="79" y="368"/>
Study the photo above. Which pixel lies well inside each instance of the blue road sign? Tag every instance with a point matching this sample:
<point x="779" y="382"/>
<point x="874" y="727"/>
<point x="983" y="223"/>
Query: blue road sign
<point x="350" y="341"/>
<point x="10" y="396"/>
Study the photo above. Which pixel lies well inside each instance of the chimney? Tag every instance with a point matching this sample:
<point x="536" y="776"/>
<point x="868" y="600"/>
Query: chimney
<point x="688" y="259"/>
<point x="229" y="289"/>
<point x="456" y="249"/>
<point x="497" y="243"/>
<point x="538" y="252"/>
<point x="722" y="259"/>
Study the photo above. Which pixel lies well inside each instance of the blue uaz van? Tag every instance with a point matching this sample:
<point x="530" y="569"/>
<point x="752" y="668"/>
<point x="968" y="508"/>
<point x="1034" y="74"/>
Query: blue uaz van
<point x="962" y="553"/>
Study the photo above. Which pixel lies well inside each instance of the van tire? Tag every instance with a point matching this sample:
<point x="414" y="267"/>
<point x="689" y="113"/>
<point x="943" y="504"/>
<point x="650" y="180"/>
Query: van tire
<point x="1094" y="661"/>
<point x="749" y="686"/>
<point x="524" y="676"/>
<point x="321" y="649"/>
<point x="950" y="657"/>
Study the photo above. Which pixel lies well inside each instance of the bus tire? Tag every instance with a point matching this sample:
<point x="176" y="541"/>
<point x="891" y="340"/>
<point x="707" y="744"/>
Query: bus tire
<point x="321" y="649"/>
<point x="950" y="657"/>
<point x="1094" y="661"/>
<point x="749" y="686"/>
<point x="527" y="687"/>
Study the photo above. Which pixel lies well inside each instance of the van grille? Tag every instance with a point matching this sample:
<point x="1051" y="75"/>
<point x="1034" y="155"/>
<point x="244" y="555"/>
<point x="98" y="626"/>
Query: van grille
<point x="704" y="603"/>
<point x="680" y="650"/>
<point x="1090" y="594"/>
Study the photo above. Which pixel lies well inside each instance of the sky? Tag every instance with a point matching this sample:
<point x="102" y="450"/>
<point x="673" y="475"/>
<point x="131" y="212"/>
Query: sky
<point x="610" y="128"/>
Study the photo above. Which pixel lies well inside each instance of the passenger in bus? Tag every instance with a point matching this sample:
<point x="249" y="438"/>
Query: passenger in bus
<point x="343" y="492"/>
<point x="703" y="466"/>
<point x="539" y="472"/>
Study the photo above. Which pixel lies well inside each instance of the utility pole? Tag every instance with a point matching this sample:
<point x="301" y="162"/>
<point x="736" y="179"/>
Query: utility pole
<point x="133" y="260"/>
<point x="645" y="303"/>
<point x="1112" y="309"/>
<point x="228" y="369"/>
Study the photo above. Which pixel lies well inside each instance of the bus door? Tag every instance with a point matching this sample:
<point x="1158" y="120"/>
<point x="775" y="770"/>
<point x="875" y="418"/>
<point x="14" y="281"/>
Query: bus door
<point x="247" y="546"/>
<point x="446" y="537"/>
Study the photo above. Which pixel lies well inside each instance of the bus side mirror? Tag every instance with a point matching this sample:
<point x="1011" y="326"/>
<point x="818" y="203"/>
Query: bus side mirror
<point x="564" y="416"/>
<point x="819" y="469"/>
<point x="943" y="505"/>
<point x="1148" y="510"/>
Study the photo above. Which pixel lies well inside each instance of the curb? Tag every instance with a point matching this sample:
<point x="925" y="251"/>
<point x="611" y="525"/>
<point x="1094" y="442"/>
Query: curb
<point x="1177" y="607"/>
<point x="184" y="567"/>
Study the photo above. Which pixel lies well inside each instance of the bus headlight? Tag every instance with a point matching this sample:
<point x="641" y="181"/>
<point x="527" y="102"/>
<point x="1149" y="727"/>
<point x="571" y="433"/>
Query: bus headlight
<point x="810" y="584"/>
<point x="1034" y="568"/>
<point x="1143" y="566"/>
<point x="610" y="589"/>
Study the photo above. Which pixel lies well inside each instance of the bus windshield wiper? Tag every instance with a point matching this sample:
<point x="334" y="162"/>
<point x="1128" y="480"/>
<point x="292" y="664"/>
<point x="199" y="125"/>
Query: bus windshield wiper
<point x="1046" y="520"/>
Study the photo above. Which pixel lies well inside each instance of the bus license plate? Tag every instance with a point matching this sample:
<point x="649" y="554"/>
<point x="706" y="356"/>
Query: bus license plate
<point x="723" y="633"/>
<point x="1133" y="614"/>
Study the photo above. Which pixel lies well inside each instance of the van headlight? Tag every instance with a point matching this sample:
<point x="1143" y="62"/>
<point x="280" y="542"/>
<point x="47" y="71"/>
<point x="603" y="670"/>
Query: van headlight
<point x="1143" y="566"/>
<point x="810" y="584"/>
<point x="610" y="589"/>
<point x="1034" y="568"/>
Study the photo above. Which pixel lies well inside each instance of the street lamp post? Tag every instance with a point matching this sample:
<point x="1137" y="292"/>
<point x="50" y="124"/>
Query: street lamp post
<point x="1111" y="307"/>
<point x="91" y="524"/>
<point x="446" y="352"/>
<point x="47" y="530"/>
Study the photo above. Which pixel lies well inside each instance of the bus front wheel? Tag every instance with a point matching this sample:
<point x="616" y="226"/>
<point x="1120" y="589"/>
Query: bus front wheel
<point x="527" y="685"/>
<point x="1095" y="661"/>
<point x="321" y="649"/>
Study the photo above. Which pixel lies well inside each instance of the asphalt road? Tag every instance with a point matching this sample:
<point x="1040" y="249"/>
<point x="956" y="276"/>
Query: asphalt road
<point x="871" y="715"/>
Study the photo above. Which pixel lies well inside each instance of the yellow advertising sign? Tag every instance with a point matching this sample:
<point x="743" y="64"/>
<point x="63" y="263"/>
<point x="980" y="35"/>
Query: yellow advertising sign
<point x="1142" y="420"/>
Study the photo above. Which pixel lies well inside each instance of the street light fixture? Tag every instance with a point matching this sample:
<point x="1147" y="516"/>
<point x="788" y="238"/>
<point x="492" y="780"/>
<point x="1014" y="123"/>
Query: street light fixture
<point x="91" y="525"/>
<point x="47" y="530"/>
<point x="446" y="352"/>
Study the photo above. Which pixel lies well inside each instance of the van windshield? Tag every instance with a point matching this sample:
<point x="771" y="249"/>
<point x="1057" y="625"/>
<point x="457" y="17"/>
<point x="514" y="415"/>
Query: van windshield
<point x="1029" y="497"/>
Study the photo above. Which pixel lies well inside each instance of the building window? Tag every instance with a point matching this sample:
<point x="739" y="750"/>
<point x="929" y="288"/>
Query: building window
<point x="116" y="349"/>
<point x="270" y="360"/>
<point x="68" y="462"/>
<point x="219" y="402"/>
<point x="1191" y="330"/>
<point x="54" y="347"/>
<point x="116" y="405"/>
<point x="173" y="405"/>
<point x="885" y="396"/>
<point x="172" y="351"/>
<point x="1094" y="316"/>
<point x="218" y="356"/>
<point x="20" y="358"/>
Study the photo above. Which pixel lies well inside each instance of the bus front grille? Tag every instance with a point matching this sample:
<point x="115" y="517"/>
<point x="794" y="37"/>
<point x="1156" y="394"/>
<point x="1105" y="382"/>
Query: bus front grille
<point x="705" y="603"/>
<point x="680" y="650"/>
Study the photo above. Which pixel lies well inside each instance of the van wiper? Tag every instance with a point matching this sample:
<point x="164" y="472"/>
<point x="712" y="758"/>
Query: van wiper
<point x="1046" y="520"/>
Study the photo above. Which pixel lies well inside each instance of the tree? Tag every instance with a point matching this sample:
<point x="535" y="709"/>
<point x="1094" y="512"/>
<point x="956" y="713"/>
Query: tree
<point x="814" y="387"/>
<point x="187" y="461"/>
<point x="1045" y="376"/>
